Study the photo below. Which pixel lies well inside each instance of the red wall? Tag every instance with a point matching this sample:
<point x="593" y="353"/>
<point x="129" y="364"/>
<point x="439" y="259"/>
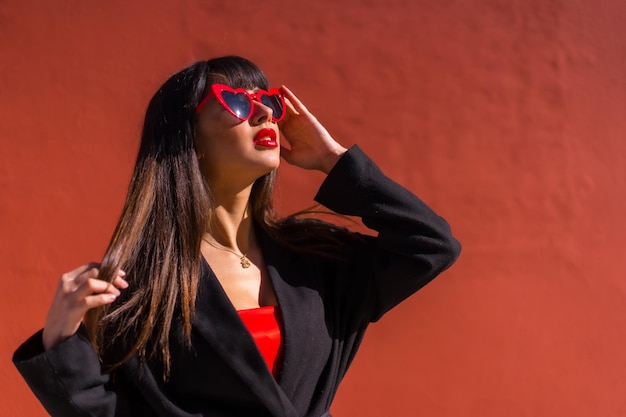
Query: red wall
<point x="506" y="116"/>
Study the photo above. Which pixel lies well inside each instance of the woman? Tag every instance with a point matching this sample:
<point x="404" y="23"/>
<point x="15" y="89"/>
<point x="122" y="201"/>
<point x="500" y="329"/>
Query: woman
<point x="206" y="304"/>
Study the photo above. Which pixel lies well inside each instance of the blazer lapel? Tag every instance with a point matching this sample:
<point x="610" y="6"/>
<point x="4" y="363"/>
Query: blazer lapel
<point x="219" y="324"/>
<point x="305" y="331"/>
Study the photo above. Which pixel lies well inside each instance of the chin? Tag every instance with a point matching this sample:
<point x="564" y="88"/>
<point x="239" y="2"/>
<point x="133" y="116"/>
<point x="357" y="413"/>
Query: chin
<point x="272" y="160"/>
<point x="267" y="168"/>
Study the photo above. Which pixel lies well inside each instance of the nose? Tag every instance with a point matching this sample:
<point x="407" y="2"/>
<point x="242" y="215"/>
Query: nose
<point x="260" y="113"/>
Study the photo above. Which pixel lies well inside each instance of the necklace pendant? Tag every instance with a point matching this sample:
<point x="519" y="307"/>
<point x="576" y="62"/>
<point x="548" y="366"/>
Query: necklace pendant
<point x="245" y="262"/>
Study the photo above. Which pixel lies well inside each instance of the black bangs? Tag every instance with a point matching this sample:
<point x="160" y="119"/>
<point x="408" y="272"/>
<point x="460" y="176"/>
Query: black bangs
<point x="236" y="72"/>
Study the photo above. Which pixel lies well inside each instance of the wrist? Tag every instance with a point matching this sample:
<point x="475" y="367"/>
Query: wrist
<point x="48" y="340"/>
<point x="332" y="158"/>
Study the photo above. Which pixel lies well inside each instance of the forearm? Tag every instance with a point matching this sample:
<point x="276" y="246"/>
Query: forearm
<point x="413" y="245"/>
<point x="67" y="379"/>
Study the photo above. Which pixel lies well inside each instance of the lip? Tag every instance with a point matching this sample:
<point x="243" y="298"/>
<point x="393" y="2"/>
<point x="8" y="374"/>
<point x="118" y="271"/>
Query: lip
<point x="266" y="138"/>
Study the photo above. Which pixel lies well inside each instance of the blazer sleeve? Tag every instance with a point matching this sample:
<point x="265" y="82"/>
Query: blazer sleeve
<point x="413" y="244"/>
<point x="67" y="379"/>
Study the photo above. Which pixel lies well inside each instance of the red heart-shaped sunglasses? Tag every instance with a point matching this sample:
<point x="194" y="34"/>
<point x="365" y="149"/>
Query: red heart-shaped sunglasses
<point x="240" y="103"/>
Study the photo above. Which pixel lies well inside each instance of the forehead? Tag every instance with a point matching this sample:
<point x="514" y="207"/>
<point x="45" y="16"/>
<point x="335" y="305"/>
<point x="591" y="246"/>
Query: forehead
<point x="251" y="91"/>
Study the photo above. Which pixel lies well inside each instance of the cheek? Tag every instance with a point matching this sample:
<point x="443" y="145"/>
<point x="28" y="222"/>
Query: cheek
<point x="207" y="134"/>
<point x="216" y="127"/>
<point x="218" y="149"/>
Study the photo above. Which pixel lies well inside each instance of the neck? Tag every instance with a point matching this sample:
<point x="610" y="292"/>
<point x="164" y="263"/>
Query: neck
<point x="231" y="225"/>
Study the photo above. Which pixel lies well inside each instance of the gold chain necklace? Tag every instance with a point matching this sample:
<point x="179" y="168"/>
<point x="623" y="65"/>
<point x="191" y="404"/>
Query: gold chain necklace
<point x="243" y="259"/>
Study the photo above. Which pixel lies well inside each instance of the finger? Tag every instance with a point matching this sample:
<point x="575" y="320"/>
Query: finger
<point x="91" y="273"/>
<point x="289" y="113"/>
<point x="71" y="283"/>
<point x="81" y="270"/>
<point x="294" y="101"/>
<point x="96" y="286"/>
<point x="98" y="300"/>
<point x="99" y="286"/>
<point x="86" y="267"/>
<point x="120" y="282"/>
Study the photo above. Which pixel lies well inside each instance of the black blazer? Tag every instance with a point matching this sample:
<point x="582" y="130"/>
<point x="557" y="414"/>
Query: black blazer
<point x="326" y="306"/>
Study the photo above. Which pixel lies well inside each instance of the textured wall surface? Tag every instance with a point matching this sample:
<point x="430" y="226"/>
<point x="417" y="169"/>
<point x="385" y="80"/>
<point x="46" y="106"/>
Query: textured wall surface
<point x="506" y="116"/>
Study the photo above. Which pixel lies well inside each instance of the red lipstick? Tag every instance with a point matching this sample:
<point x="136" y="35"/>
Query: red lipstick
<point x="266" y="138"/>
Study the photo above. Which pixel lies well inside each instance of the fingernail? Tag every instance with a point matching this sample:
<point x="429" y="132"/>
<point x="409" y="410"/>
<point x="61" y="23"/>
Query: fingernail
<point x="121" y="273"/>
<point x="110" y="297"/>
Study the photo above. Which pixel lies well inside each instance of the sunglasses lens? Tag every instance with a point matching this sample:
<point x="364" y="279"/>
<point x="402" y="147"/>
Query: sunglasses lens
<point x="274" y="102"/>
<point x="238" y="103"/>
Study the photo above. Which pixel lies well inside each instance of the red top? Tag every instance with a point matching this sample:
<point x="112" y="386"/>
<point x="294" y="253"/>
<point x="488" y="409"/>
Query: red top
<point x="263" y="323"/>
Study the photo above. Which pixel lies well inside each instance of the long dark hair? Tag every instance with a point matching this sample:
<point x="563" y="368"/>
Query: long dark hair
<point x="168" y="207"/>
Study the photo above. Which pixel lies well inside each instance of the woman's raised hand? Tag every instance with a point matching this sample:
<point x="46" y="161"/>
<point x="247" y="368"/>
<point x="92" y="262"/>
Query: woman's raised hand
<point x="310" y="144"/>
<point x="77" y="292"/>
